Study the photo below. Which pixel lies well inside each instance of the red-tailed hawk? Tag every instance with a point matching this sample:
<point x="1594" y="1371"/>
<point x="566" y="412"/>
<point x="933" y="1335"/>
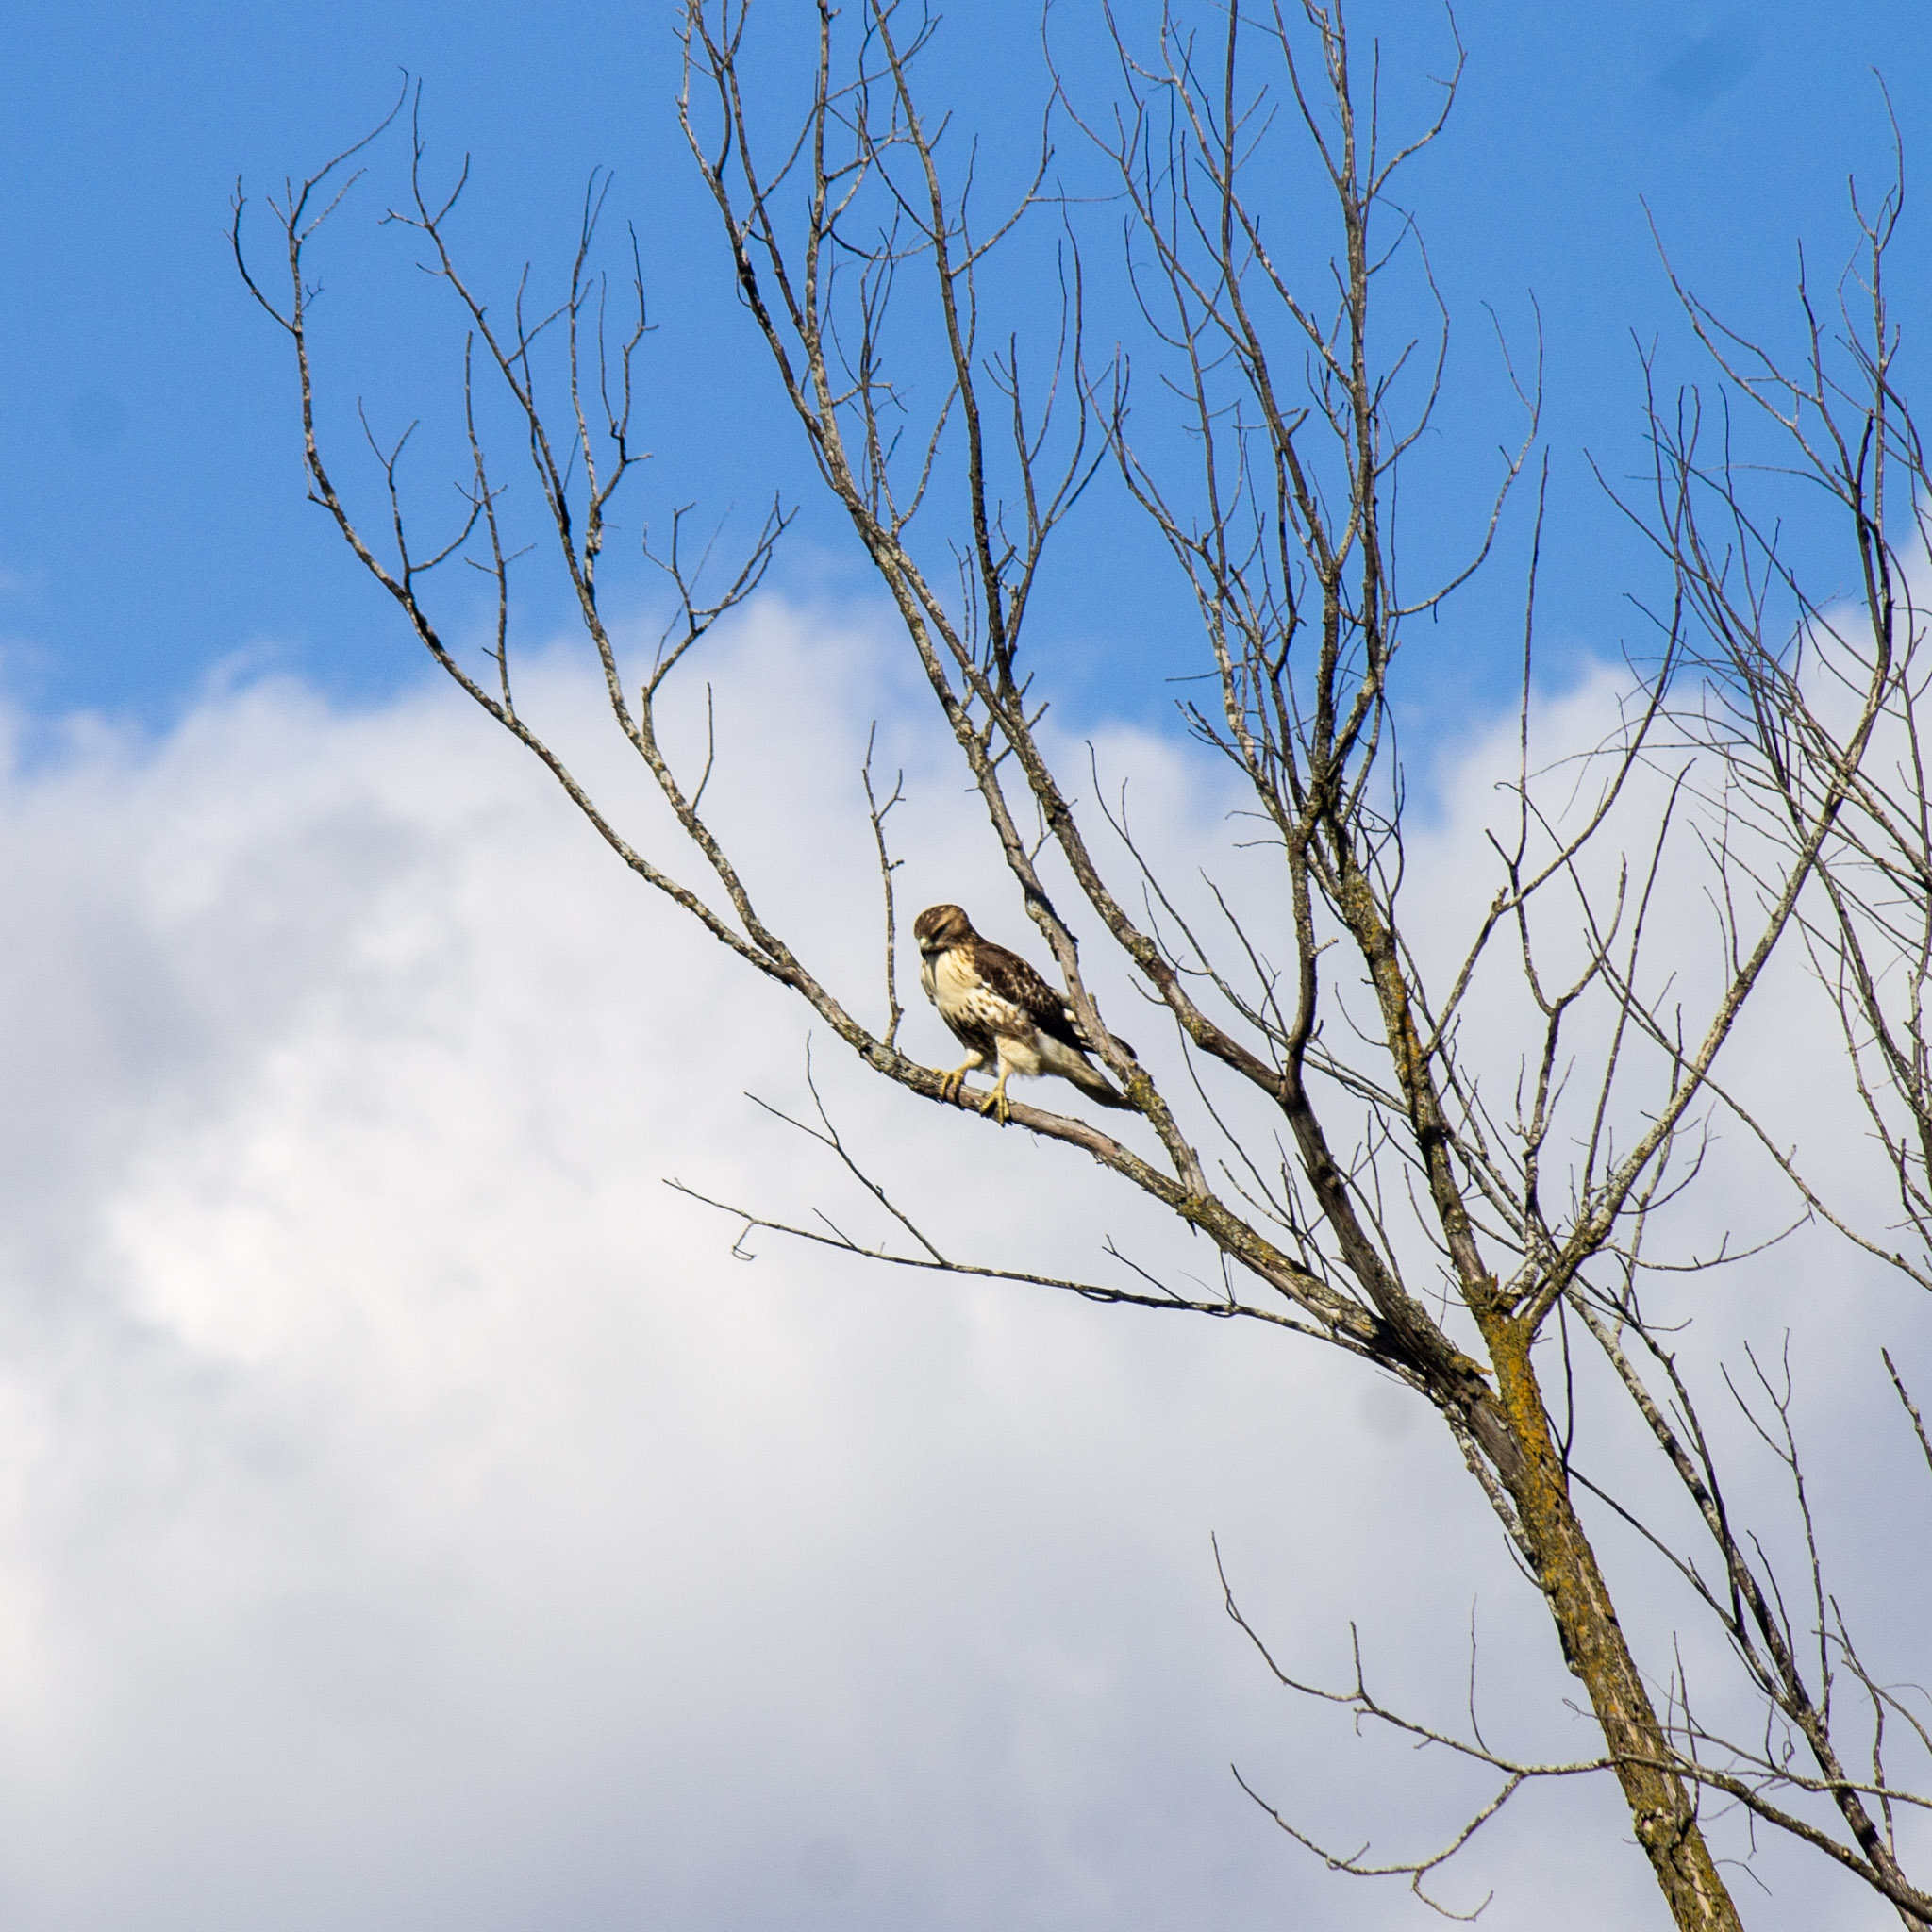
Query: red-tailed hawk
<point x="997" y="1005"/>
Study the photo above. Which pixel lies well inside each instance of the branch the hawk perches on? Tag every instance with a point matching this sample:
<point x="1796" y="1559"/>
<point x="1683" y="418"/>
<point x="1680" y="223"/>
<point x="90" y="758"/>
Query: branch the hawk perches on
<point x="999" y="1007"/>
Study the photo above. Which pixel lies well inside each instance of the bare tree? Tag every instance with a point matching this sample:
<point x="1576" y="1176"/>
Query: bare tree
<point x="1440" y="1211"/>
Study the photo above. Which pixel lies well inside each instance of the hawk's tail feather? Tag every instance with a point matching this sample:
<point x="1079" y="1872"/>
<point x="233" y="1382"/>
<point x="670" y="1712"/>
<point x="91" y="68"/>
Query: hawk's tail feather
<point x="1092" y="1080"/>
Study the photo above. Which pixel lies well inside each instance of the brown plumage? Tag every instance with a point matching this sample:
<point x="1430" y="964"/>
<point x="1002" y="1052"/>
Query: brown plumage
<point x="998" y="1007"/>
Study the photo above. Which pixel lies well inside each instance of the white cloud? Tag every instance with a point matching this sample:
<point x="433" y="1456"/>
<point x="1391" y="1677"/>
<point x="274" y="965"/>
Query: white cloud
<point x="418" y="1518"/>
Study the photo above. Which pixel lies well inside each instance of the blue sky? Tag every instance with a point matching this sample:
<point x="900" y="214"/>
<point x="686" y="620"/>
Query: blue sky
<point x="152" y="522"/>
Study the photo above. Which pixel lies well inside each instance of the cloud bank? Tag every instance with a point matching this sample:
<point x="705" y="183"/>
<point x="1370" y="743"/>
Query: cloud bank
<point x="419" y="1517"/>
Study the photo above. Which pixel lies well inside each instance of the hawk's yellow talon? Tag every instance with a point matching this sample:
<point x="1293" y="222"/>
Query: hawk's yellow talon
<point x="953" y="1085"/>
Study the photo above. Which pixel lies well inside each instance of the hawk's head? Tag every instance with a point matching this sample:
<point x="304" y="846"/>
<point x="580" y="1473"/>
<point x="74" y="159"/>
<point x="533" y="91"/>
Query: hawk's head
<point x="939" y="927"/>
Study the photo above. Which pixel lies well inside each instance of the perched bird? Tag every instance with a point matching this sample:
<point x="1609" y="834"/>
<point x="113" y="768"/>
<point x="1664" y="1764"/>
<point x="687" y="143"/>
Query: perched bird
<point x="997" y="1005"/>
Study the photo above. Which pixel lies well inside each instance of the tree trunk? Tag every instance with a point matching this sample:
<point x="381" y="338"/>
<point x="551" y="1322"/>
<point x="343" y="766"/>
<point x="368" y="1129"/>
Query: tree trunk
<point x="1595" y="1650"/>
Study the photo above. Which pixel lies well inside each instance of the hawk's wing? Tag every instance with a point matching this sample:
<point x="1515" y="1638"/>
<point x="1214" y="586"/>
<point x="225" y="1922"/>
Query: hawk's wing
<point x="1009" y="977"/>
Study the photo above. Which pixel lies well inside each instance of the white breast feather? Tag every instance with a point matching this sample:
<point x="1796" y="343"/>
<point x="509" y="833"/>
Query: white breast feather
<point x="961" y="993"/>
